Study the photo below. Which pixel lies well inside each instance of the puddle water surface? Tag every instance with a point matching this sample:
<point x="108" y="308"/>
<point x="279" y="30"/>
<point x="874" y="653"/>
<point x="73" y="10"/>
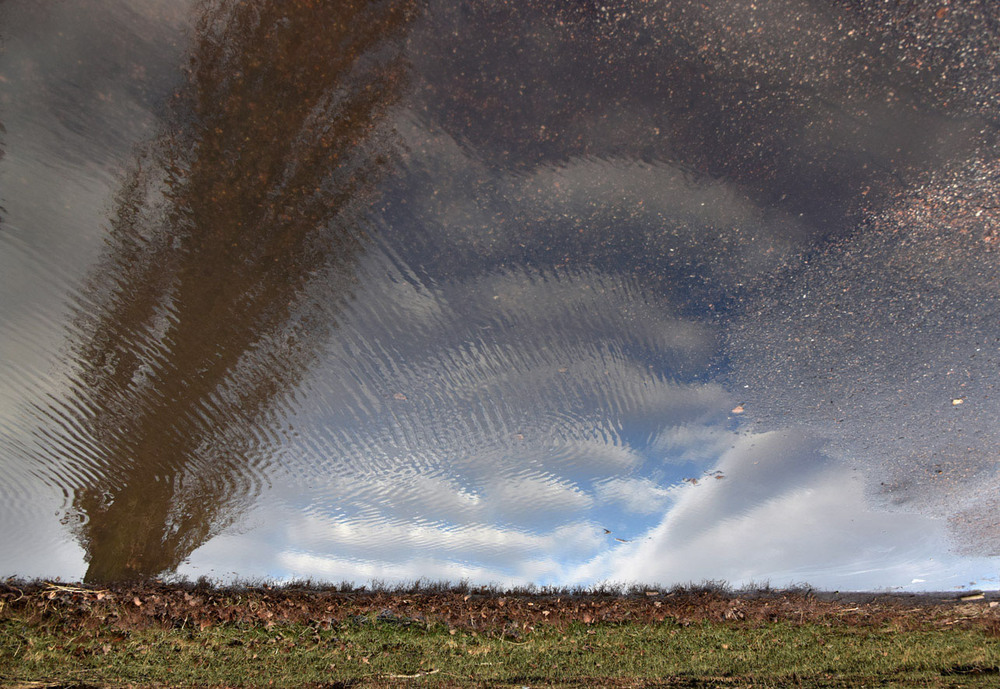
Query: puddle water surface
<point x="509" y="292"/>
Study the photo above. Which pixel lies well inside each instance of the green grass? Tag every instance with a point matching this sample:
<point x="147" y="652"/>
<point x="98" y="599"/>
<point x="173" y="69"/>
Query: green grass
<point x="379" y="654"/>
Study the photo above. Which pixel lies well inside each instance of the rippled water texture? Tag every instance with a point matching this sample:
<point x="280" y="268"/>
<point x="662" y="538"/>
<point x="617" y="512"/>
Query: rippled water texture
<point x="514" y="292"/>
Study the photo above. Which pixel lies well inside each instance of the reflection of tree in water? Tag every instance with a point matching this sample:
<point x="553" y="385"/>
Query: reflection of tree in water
<point x="2" y="132"/>
<point x="204" y="313"/>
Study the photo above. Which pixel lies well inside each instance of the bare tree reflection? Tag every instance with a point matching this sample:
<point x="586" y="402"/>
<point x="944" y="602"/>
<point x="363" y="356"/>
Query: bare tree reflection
<point x="232" y="238"/>
<point x="2" y="132"/>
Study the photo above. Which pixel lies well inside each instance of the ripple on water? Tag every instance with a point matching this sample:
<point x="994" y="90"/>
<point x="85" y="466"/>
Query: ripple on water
<point x="363" y="294"/>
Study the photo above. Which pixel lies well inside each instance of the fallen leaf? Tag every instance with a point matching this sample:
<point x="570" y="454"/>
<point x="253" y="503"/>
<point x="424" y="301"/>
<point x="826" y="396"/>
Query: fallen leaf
<point x="738" y="409"/>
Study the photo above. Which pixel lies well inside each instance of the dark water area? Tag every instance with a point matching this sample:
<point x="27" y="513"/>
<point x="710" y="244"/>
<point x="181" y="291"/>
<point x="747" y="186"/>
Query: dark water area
<point x="507" y="292"/>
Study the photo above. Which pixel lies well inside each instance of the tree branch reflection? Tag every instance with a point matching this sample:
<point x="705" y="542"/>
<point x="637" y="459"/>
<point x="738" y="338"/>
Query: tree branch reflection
<point x="231" y="242"/>
<point x="3" y="131"/>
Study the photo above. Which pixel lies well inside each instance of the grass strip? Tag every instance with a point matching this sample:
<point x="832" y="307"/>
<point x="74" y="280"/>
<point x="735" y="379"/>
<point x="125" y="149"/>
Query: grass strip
<point x="368" y="651"/>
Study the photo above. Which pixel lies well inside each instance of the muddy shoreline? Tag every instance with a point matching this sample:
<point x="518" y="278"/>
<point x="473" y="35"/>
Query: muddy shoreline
<point x="200" y="605"/>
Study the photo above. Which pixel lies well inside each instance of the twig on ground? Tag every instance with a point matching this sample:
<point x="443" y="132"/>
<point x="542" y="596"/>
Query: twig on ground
<point x="49" y="586"/>
<point x="419" y="674"/>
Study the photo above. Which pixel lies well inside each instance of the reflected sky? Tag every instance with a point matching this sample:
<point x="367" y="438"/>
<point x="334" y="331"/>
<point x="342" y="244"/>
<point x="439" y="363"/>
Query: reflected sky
<point x="656" y="292"/>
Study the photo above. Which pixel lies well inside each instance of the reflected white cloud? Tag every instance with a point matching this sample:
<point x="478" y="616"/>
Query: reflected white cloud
<point x="798" y="526"/>
<point x="535" y="499"/>
<point x="303" y="565"/>
<point x="594" y="456"/>
<point x="635" y="495"/>
<point x="786" y="514"/>
<point x="282" y="540"/>
<point x="582" y="209"/>
<point x="693" y="442"/>
<point x="875" y="363"/>
<point x="33" y="541"/>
